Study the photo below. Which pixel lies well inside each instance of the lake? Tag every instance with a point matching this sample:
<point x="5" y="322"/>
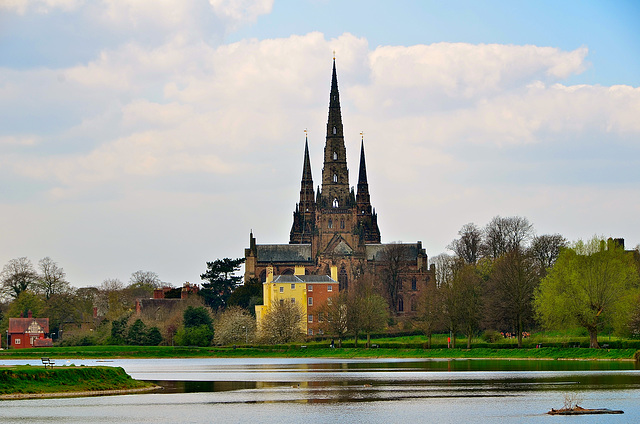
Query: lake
<point x="286" y="390"/>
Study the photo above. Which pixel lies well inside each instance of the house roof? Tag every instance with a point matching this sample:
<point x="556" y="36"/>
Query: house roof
<point x="309" y="279"/>
<point x="295" y="253"/>
<point x="24" y="325"/>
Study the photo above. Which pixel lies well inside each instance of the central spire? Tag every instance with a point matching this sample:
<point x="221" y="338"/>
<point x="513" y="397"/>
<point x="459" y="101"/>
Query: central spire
<point x="335" y="174"/>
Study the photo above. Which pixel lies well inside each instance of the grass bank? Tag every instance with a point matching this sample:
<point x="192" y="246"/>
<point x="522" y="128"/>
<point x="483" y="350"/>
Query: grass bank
<point x="37" y="380"/>
<point x="311" y="350"/>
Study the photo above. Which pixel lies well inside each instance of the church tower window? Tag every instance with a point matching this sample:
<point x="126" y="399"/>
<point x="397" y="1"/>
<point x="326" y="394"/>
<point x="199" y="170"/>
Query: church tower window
<point x="342" y="224"/>
<point x="335" y="203"/>
<point x="335" y="178"/>
<point x="334" y="130"/>
<point x="335" y="156"/>
<point x="330" y="223"/>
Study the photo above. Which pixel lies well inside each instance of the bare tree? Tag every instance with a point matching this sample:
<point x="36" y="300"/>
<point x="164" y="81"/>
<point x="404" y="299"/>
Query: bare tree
<point x="145" y="279"/>
<point x="445" y="265"/>
<point x="17" y="276"/>
<point x="503" y="235"/>
<point x="429" y="317"/>
<point x="367" y="311"/>
<point x="545" y="250"/>
<point x="510" y="289"/>
<point x="467" y="247"/>
<point x="112" y="300"/>
<point x="52" y="278"/>
<point x="283" y="323"/>
<point x="336" y="317"/>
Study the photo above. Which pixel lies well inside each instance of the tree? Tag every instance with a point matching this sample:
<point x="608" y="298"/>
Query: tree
<point x="234" y="326"/>
<point x="590" y="285"/>
<point x="502" y="235"/>
<point x="143" y="283"/>
<point x="119" y="331"/>
<point x="222" y="281"/>
<point x="52" y="278"/>
<point x="374" y="312"/>
<point x="283" y="323"/>
<point x="112" y="300"/>
<point x="467" y="286"/>
<point x="17" y="276"/>
<point x="467" y="247"/>
<point x="510" y="288"/>
<point x="367" y="311"/>
<point x="429" y="316"/>
<point x="25" y="302"/>
<point x="545" y="250"/>
<point x="247" y="295"/>
<point x="393" y="262"/>
<point x="198" y="327"/>
<point x="335" y="317"/>
<point x="137" y="334"/>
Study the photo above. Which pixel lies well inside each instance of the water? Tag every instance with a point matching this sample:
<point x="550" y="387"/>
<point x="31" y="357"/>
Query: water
<point x="279" y="390"/>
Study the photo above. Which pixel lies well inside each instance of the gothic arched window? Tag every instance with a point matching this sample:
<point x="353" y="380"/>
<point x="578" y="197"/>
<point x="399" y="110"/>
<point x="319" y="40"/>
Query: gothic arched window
<point x="335" y="156"/>
<point x="343" y="279"/>
<point x="330" y="223"/>
<point x="342" y="224"/>
<point x="335" y="203"/>
<point x="414" y="283"/>
<point x="400" y="305"/>
<point x="335" y="178"/>
<point x="334" y="130"/>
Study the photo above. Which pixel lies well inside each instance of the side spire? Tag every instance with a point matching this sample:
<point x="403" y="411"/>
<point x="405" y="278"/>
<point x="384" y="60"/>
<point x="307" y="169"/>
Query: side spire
<point x="304" y="214"/>
<point x="367" y="219"/>
<point x="362" y="176"/>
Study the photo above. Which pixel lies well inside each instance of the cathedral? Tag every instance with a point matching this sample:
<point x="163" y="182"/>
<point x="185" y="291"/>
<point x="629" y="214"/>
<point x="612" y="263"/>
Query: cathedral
<point x="335" y="226"/>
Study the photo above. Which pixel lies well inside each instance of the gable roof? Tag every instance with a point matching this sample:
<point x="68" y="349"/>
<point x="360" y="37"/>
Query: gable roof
<point x="22" y="325"/>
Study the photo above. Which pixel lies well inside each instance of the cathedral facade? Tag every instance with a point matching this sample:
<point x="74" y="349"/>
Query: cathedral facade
<point x="336" y="226"/>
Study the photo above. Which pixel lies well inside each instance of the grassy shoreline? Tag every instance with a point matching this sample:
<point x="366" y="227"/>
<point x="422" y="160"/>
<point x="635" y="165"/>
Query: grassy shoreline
<point x="26" y="381"/>
<point x="293" y="351"/>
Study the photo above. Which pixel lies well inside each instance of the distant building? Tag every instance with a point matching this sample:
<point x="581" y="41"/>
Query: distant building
<point x="29" y="332"/>
<point x="309" y="292"/>
<point x="165" y="299"/>
<point x="336" y="226"/>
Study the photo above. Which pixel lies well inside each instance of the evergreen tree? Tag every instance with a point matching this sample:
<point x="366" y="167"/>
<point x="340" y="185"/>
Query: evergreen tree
<point x="222" y="281"/>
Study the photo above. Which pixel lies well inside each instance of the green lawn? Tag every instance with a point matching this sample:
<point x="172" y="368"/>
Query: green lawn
<point x="404" y="350"/>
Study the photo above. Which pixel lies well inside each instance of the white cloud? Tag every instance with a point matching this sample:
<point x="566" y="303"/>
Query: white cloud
<point x="463" y="129"/>
<point x="22" y="7"/>
<point x="241" y="10"/>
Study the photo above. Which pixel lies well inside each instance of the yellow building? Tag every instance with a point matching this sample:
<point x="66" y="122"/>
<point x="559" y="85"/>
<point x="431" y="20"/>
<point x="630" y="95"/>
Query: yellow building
<point x="294" y="289"/>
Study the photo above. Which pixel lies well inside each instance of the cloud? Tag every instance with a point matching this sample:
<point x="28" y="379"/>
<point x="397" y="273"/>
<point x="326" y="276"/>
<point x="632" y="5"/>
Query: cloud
<point x="22" y="7"/>
<point x="189" y="107"/>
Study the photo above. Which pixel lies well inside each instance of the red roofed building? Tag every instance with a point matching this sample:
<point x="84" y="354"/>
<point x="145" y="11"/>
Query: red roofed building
<point x="29" y="332"/>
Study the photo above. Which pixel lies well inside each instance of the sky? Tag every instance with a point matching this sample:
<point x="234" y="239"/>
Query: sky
<point x="156" y="134"/>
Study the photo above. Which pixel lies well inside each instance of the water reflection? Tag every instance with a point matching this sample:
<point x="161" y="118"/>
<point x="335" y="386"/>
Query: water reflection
<point x="343" y="391"/>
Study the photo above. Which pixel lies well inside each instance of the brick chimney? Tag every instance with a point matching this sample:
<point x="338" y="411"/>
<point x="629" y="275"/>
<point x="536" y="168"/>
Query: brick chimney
<point x="29" y="314"/>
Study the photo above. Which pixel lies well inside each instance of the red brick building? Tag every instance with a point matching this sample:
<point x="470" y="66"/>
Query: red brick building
<point x="29" y="332"/>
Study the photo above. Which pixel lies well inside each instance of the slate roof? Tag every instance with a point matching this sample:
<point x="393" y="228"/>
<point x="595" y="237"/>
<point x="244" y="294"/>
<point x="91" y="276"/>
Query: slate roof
<point x="374" y="252"/>
<point x="21" y="325"/>
<point x="294" y="253"/>
<point x="309" y="279"/>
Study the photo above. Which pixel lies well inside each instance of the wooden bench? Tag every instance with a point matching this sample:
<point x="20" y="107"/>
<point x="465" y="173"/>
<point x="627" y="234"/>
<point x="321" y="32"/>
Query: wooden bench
<point x="48" y="362"/>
